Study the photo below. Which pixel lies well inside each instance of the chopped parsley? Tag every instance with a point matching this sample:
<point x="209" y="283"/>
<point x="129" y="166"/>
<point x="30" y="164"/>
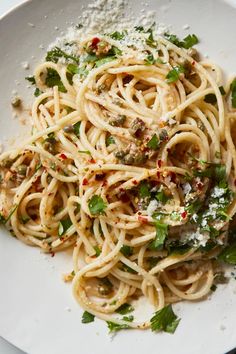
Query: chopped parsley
<point x="144" y="190"/>
<point x="64" y="225"/>
<point x="124" y="309"/>
<point x="165" y="320"/>
<point x="97" y="205"/>
<point x="161" y="196"/>
<point x="233" y="93"/>
<point x="31" y="79"/>
<point x="73" y="69"/>
<point x="87" y="317"/>
<point x="114" y="327"/>
<point x="37" y="92"/>
<point x="126" y="250"/>
<point x="161" y="234"/>
<point x="56" y="53"/>
<point x="97" y="251"/>
<point x="150" y="59"/>
<point x="76" y="127"/>
<point x="53" y="79"/>
<point x="117" y="35"/>
<point x="153" y="142"/>
<point x="186" y="43"/>
<point x="174" y="74"/>
<point x="228" y="255"/>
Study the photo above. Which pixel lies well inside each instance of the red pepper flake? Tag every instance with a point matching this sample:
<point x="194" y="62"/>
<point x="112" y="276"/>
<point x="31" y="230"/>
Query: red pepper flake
<point x="143" y="219"/>
<point x="85" y="182"/>
<point x="95" y="42"/>
<point x="193" y="62"/>
<point x="63" y="156"/>
<point x="92" y="160"/>
<point x="235" y="182"/>
<point x="159" y="163"/>
<point x="158" y="175"/>
<point x="199" y="186"/>
<point x="184" y="214"/>
<point x="104" y="183"/>
<point x="135" y="182"/>
<point x="52" y="254"/>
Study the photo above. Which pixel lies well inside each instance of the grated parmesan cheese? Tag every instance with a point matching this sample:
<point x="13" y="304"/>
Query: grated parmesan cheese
<point x="103" y="16"/>
<point x="152" y="207"/>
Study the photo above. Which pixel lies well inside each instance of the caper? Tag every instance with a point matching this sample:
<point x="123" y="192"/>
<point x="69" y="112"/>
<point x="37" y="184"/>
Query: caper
<point x="49" y="147"/>
<point x="137" y="127"/>
<point x="7" y="163"/>
<point x="69" y="128"/>
<point x="21" y="169"/>
<point x="16" y="102"/>
<point x="128" y="159"/>
<point x="105" y="287"/>
<point x="140" y="158"/>
<point x="118" y="121"/>
<point x="120" y="154"/>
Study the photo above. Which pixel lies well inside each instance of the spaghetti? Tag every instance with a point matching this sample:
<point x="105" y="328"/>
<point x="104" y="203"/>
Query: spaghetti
<point x="131" y="162"/>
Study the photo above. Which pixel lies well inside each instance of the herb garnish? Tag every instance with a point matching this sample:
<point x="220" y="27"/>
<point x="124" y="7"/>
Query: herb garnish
<point x="161" y="234"/>
<point x="233" y="93"/>
<point x="54" y="79"/>
<point x="126" y="250"/>
<point x="165" y="320"/>
<point x="186" y="43"/>
<point x="64" y="225"/>
<point x="97" y="205"/>
<point x="174" y="74"/>
<point x="153" y="143"/>
<point x="87" y="317"/>
<point x="56" y="53"/>
<point x="124" y="309"/>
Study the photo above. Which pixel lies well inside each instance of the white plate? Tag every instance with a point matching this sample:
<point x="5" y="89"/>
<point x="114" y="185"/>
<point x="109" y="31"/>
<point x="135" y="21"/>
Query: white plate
<point x="34" y="301"/>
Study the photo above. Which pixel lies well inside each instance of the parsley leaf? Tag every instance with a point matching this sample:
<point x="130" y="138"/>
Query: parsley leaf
<point x="64" y="225"/>
<point x="190" y="41"/>
<point x="150" y="59"/>
<point x="53" y="79"/>
<point x="117" y="35"/>
<point x="161" y="233"/>
<point x="124" y="309"/>
<point x="186" y="43"/>
<point x="37" y="92"/>
<point x="161" y="197"/>
<point x="31" y="79"/>
<point x="174" y="74"/>
<point x="153" y="143"/>
<point x="210" y="98"/>
<point x="87" y="317"/>
<point x="56" y="53"/>
<point x="228" y="255"/>
<point x="104" y="61"/>
<point x="76" y="127"/>
<point x="165" y="320"/>
<point x="144" y="190"/>
<point x="97" y="250"/>
<point x="126" y="250"/>
<point x="233" y="93"/>
<point x="75" y="69"/>
<point x="96" y="205"/>
<point x="114" y="327"/>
